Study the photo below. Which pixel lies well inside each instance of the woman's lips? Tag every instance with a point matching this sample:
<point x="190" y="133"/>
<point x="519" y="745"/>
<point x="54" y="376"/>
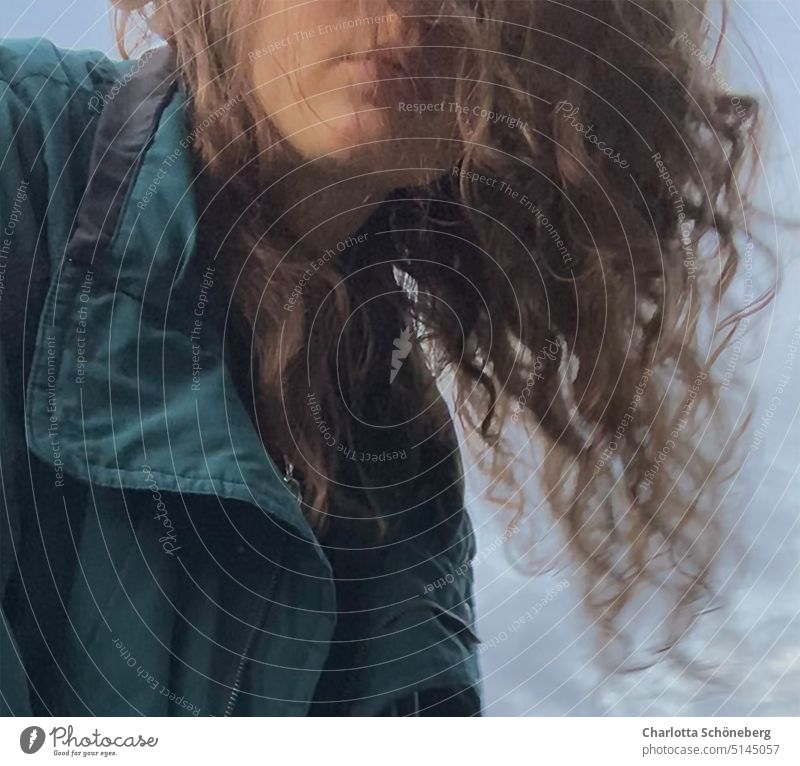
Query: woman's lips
<point x="380" y="76"/>
<point x="360" y="68"/>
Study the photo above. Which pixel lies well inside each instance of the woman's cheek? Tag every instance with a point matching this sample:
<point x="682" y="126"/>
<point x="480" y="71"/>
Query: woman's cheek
<point x="331" y="122"/>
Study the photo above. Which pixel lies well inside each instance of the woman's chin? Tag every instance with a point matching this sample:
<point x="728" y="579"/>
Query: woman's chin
<point x="351" y="139"/>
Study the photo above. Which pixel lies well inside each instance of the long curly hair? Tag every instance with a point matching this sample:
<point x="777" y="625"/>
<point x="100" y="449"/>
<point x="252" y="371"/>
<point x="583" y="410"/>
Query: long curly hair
<point x="561" y="271"/>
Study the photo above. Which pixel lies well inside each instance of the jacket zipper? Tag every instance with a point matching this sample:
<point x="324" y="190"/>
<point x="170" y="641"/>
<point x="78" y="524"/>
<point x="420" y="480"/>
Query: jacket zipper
<point x="291" y="481"/>
<point x="237" y="679"/>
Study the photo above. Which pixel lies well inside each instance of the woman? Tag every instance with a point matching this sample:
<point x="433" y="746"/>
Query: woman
<point x="230" y="484"/>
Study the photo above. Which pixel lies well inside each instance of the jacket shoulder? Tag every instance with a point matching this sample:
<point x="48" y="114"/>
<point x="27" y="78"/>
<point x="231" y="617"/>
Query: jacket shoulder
<point x="45" y="137"/>
<point x="48" y="98"/>
<point x="37" y="57"/>
<point x="49" y="101"/>
<point x="46" y="133"/>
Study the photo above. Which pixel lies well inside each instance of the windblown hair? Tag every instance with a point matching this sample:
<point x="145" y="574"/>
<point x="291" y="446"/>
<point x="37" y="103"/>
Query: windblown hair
<point x="572" y="297"/>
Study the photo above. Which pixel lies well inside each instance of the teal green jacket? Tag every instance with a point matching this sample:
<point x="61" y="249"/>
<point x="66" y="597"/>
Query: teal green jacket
<point x="153" y="560"/>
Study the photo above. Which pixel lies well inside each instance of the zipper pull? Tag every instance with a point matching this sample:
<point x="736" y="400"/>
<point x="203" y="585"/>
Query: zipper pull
<point x="291" y="481"/>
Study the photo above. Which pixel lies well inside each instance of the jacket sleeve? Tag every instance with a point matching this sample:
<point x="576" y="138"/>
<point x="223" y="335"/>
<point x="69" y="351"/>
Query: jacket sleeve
<point x="19" y="223"/>
<point x="49" y="101"/>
